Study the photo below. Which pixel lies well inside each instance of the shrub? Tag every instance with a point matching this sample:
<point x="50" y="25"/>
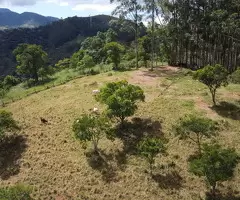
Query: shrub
<point x="120" y="98"/>
<point x="7" y="124"/>
<point x="216" y="164"/>
<point x="213" y="77"/>
<point x="235" y="77"/>
<point x="10" y="81"/>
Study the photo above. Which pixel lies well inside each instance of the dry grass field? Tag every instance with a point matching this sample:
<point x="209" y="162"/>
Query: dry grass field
<point x="49" y="159"/>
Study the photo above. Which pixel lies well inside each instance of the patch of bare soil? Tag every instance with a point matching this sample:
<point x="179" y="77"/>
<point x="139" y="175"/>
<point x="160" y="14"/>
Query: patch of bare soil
<point x="141" y="78"/>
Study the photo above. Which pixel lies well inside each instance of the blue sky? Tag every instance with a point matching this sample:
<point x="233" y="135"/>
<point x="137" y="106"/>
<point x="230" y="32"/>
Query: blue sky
<point x="60" y="8"/>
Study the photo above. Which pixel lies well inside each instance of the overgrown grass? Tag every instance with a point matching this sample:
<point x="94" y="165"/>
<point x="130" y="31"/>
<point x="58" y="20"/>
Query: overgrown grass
<point x="20" y="91"/>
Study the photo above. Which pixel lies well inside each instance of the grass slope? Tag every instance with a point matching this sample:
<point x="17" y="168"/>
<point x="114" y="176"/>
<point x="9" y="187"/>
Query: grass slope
<point x="55" y="164"/>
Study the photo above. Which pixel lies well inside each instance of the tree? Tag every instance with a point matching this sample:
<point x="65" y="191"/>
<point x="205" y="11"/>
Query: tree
<point x="120" y="98"/>
<point x="114" y="51"/>
<point x="7" y="124"/>
<point x="76" y="58"/>
<point x="86" y="62"/>
<point x="149" y="148"/>
<point x="30" y="59"/>
<point x="130" y="10"/>
<point x="213" y="77"/>
<point x="216" y="164"/>
<point x="10" y="81"/>
<point x="195" y="128"/>
<point x="90" y="127"/>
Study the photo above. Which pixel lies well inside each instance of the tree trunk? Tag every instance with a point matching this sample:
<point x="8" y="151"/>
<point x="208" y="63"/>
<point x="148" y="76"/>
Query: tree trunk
<point x="136" y="34"/>
<point x="213" y="93"/>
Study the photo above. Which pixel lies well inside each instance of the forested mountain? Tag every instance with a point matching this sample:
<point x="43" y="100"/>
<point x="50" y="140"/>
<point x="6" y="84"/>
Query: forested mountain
<point x="9" y="19"/>
<point x="59" y="39"/>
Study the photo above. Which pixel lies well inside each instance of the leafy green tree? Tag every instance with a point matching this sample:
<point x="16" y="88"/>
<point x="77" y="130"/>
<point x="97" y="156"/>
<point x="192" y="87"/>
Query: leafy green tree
<point x="76" y="58"/>
<point x="10" y="81"/>
<point x="129" y="13"/>
<point x="216" y="164"/>
<point x="213" y="77"/>
<point x="17" y="192"/>
<point x="114" y="51"/>
<point x="63" y="64"/>
<point x="86" y="62"/>
<point x="90" y="127"/>
<point x="7" y="123"/>
<point x="149" y="148"/>
<point x="30" y="59"/>
<point x="120" y="98"/>
<point x="196" y="128"/>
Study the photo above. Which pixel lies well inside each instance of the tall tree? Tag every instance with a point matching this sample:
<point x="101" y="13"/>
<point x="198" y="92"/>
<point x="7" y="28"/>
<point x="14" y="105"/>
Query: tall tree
<point x="30" y="58"/>
<point x="130" y="10"/>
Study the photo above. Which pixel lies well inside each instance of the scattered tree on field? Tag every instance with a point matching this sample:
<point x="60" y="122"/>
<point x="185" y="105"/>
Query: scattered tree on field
<point x="120" y="98"/>
<point x="213" y="77"/>
<point x="149" y="148"/>
<point x="195" y="128"/>
<point x="216" y="164"/>
<point x="90" y="127"/>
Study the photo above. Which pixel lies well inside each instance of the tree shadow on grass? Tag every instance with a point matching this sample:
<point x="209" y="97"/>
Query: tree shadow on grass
<point x="229" y="196"/>
<point x="11" y="150"/>
<point x="171" y="180"/>
<point x="165" y="72"/>
<point x="98" y="160"/>
<point x="229" y="110"/>
<point x="131" y="133"/>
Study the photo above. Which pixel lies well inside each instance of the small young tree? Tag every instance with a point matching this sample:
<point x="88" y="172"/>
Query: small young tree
<point x="120" y="98"/>
<point x="90" y="127"/>
<point x="114" y="51"/>
<point x="214" y="77"/>
<point x="195" y="128"/>
<point x="149" y="148"/>
<point x="216" y="164"/>
<point x="7" y="124"/>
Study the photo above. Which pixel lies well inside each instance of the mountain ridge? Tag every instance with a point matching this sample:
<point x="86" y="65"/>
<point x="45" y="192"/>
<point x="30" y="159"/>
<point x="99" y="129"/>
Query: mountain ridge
<point x="10" y="19"/>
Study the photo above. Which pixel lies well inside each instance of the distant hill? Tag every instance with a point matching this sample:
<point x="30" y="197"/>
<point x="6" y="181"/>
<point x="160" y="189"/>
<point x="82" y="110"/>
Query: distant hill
<point x="60" y="39"/>
<point x="9" y="19"/>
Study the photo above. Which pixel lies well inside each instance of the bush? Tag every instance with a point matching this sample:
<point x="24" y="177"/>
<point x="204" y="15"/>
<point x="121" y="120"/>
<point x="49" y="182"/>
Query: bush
<point x="18" y="192"/>
<point x="10" y="81"/>
<point x="7" y="124"/>
<point x="235" y="77"/>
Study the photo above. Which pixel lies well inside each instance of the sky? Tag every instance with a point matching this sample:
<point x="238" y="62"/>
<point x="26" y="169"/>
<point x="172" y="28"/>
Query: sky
<point x="60" y="8"/>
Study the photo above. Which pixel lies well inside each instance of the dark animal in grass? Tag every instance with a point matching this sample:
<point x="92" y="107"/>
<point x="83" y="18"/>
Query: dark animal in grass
<point x="44" y="121"/>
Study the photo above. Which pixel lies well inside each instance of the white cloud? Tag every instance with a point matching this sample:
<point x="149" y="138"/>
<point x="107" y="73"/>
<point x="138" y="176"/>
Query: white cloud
<point x="96" y="7"/>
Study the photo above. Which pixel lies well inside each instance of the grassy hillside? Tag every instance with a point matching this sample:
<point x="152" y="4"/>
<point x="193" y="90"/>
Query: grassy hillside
<point x="55" y="164"/>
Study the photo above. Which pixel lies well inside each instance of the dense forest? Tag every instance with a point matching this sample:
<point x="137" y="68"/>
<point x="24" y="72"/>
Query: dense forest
<point x="59" y="39"/>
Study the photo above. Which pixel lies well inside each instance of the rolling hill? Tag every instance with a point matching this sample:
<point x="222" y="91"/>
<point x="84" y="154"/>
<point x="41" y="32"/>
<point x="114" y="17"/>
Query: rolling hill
<point x="10" y="19"/>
